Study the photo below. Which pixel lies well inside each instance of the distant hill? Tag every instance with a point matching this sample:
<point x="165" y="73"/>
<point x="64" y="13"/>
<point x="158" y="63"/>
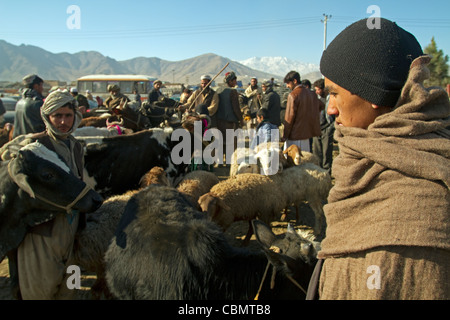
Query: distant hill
<point x="18" y="61"/>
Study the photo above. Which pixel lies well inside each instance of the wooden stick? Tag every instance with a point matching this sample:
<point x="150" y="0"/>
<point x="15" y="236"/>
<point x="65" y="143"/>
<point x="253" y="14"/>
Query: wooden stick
<point x="209" y="83"/>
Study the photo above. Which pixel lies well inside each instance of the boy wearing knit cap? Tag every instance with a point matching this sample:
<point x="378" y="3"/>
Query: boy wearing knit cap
<point x="27" y="117"/>
<point x="388" y="212"/>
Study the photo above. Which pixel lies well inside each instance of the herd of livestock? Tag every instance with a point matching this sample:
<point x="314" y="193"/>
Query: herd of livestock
<point x="159" y="233"/>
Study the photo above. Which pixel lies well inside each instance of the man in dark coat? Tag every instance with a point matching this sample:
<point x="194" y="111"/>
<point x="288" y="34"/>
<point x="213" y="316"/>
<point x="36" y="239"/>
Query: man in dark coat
<point x="28" y="109"/>
<point x="155" y="93"/>
<point x="272" y="102"/>
<point x="229" y="114"/>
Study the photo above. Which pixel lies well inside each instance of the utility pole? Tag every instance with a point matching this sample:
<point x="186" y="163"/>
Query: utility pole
<point x="325" y="20"/>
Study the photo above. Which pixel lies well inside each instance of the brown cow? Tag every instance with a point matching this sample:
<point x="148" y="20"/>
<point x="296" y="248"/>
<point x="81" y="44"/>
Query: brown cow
<point x="6" y="133"/>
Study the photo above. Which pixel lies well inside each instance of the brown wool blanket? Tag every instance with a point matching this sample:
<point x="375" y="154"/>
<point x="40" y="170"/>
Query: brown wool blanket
<point x="392" y="180"/>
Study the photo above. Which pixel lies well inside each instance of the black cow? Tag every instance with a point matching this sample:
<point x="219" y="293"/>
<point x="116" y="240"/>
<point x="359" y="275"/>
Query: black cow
<point x="160" y="110"/>
<point x="166" y="249"/>
<point x="36" y="173"/>
<point x="116" y="164"/>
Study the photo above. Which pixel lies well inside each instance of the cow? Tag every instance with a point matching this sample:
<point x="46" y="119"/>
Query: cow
<point x="115" y="165"/>
<point x="164" y="249"/>
<point x="34" y="186"/>
<point x="131" y="119"/>
<point x="159" y="111"/>
<point x="6" y="133"/>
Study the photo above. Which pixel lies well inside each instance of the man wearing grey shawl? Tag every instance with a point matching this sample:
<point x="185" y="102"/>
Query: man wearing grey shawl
<point x="388" y="212"/>
<point x="45" y="253"/>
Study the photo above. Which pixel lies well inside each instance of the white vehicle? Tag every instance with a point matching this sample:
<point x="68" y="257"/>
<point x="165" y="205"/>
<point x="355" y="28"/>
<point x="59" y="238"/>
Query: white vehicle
<point x="97" y="84"/>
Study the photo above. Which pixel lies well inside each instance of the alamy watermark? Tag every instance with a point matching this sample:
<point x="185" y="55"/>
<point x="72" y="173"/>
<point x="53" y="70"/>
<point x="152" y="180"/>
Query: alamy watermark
<point x="184" y="151"/>
<point x="374" y="22"/>
<point x="74" y="20"/>
<point x="74" y="280"/>
<point x="374" y="280"/>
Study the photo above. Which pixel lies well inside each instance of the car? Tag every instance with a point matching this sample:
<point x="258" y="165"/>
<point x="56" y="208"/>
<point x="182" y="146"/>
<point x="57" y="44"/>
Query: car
<point x="10" y="107"/>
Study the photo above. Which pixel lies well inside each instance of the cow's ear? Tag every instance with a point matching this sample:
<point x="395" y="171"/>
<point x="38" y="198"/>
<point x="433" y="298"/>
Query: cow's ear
<point x="264" y="234"/>
<point x="18" y="177"/>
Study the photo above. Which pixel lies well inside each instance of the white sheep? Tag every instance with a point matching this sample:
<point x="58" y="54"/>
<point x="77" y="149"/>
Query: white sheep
<point x="243" y="197"/>
<point x="305" y="182"/>
<point x="243" y="160"/>
<point x="266" y="159"/>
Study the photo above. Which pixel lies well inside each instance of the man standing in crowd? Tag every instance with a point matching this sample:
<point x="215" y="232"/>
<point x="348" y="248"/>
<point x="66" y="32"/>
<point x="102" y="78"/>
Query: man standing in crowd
<point x="323" y="144"/>
<point x="229" y="114"/>
<point x="271" y="102"/>
<point x="46" y="251"/>
<point x="83" y="104"/>
<point x="253" y="93"/>
<point x="208" y="97"/>
<point x="115" y="98"/>
<point x="387" y="215"/>
<point x="28" y="108"/>
<point x="301" y="120"/>
<point x="155" y="93"/>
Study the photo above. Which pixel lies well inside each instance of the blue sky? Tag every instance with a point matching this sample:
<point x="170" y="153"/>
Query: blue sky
<point x="177" y="30"/>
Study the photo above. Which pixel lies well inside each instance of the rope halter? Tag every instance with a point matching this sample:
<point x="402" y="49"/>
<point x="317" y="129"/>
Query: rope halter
<point x="26" y="187"/>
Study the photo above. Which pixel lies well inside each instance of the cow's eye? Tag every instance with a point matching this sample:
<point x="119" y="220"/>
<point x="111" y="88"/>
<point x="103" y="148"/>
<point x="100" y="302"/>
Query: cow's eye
<point x="47" y="176"/>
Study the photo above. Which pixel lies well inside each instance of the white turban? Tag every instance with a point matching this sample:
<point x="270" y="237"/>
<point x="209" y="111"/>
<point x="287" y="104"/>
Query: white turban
<point x="53" y="102"/>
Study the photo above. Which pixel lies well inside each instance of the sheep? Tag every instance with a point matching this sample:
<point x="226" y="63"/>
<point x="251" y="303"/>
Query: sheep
<point x="243" y="160"/>
<point x="155" y="175"/>
<point x="305" y="182"/>
<point x="296" y="156"/>
<point x="195" y="184"/>
<point x="243" y="197"/>
<point x="92" y="242"/>
<point x="246" y="160"/>
<point x="192" y="186"/>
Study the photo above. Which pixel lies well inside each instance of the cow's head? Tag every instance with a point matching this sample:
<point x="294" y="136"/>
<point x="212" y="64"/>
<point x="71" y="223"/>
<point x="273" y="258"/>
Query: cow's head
<point x="42" y="174"/>
<point x="293" y="255"/>
<point x="45" y="186"/>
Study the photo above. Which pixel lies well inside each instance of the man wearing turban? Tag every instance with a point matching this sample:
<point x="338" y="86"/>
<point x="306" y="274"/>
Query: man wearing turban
<point x="45" y="253"/>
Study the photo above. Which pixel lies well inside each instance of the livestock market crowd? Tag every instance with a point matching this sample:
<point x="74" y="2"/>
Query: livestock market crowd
<point x="93" y="186"/>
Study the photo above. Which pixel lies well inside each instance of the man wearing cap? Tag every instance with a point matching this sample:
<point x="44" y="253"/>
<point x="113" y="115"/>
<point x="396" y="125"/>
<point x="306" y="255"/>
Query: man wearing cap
<point x="229" y="114"/>
<point x="155" y="93"/>
<point x="387" y="215"/>
<point x="271" y="102"/>
<point x="205" y="95"/>
<point x="115" y="98"/>
<point x="45" y="253"/>
<point x="27" y="117"/>
<point x="83" y="103"/>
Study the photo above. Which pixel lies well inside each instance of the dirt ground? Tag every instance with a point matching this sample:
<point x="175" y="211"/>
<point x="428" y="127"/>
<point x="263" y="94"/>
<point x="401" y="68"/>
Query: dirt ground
<point x="235" y="234"/>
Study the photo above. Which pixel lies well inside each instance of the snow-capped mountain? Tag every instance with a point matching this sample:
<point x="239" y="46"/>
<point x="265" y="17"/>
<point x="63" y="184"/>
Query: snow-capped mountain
<point x="279" y="65"/>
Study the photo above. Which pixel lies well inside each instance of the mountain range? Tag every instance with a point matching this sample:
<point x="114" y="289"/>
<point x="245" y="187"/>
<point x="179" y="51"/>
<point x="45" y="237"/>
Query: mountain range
<point x="18" y="61"/>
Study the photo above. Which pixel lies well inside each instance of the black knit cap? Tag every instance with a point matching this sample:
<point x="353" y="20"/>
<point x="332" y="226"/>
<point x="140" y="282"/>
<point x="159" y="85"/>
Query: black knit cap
<point x="371" y="63"/>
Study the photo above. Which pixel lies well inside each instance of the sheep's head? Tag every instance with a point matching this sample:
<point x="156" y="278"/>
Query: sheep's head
<point x="294" y="154"/>
<point x="156" y="175"/>
<point x="212" y="205"/>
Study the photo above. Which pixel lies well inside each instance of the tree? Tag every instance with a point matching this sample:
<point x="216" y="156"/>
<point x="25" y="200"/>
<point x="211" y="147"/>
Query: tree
<point x="438" y="66"/>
